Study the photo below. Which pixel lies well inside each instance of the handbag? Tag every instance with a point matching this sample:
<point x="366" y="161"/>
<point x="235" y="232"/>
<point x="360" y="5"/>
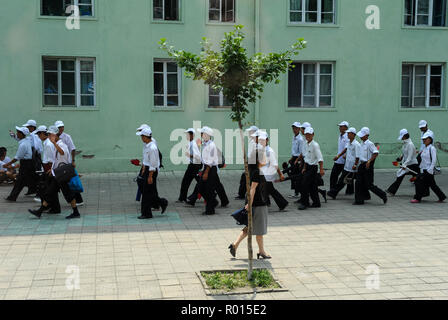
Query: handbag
<point x="75" y="184"/>
<point x="241" y="217"/>
<point x="64" y="173"/>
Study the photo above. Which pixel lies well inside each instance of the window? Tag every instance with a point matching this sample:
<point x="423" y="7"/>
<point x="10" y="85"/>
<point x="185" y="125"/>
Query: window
<point x="216" y="99"/>
<point x="69" y="82"/>
<point x="167" y="10"/>
<point x="59" y="7"/>
<point x="310" y="84"/>
<point x="221" y="10"/>
<point x="421" y="85"/>
<point x="430" y="13"/>
<point x="311" y="11"/>
<point x="166" y="84"/>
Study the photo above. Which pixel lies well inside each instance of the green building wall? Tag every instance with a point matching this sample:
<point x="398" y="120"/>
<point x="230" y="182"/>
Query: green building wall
<point x="123" y="38"/>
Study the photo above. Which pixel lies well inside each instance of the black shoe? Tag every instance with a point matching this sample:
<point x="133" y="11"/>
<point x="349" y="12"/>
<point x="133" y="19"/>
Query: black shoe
<point x="188" y="202"/>
<point x="302" y="207"/>
<point x="348" y="193"/>
<point x="263" y="256"/>
<point x="205" y="213"/>
<point x="283" y="208"/>
<point x="36" y="213"/>
<point x="232" y="250"/>
<point x="385" y="199"/>
<point x="315" y="206"/>
<point x="356" y="203"/>
<point x="331" y="195"/>
<point x="239" y="198"/>
<point x="164" y="206"/>
<point x="145" y="217"/>
<point x="73" y="216"/>
<point x="54" y="211"/>
<point x="10" y="199"/>
<point x="323" y="193"/>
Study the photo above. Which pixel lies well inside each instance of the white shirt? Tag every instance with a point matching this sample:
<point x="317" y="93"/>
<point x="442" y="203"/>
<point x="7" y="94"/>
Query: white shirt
<point x="209" y="154"/>
<point x="66" y="158"/>
<point x="297" y="145"/>
<point x="409" y="153"/>
<point x="367" y="150"/>
<point x="3" y="162"/>
<point x="312" y="153"/>
<point x="429" y="159"/>
<point x="151" y="156"/>
<point x="269" y="170"/>
<point x="342" y="144"/>
<point x="49" y="152"/>
<point x="67" y="141"/>
<point x="195" y="154"/>
<point x="353" y="152"/>
<point x="422" y="145"/>
<point x="251" y="151"/>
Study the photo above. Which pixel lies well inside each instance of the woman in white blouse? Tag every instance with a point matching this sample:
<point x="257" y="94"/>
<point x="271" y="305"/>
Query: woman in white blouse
<point x="427" y="167"/>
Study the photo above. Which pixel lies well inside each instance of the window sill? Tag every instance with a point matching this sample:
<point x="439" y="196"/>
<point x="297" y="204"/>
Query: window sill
<point x="313" y="25"/>
<point x="157" y="109"/>
<point x="320" y="109"/>
<point x="212" y="23"/>
<point x="59" y="108"/>
<point x="433" y="109"/>
<point x="218" y="109"/>
<point x="167" y="22"/>
<point x="423" y="28"/>
<point x="82" y="18"/>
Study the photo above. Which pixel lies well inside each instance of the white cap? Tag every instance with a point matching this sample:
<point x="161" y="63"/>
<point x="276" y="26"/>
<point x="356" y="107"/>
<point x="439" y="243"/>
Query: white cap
<point x="403" y="132"/>
<point x="59" y="123"/>
<point x="344" y="123"/>
<point x="191" y="130"/>
<point x="41" y="129"/>
<point x="207" y="130"/>
<point x="364" y="132"/>
<point x="53" y="130"/>
<point x="147" y="132"/>
<point x="305" y="125"/>
<point x="24" y="130"/>
<point x="252" y="128"/>
<point x="309" y="130"/>
<point x="262" y="135"/>
<point x="30" y="123"/>
<point x="143" y="126"/>
<point x="427" y="135"/>
<point x="351" y="130"/>
<point x="296" y="124"/>
<point x="422" y="124"/>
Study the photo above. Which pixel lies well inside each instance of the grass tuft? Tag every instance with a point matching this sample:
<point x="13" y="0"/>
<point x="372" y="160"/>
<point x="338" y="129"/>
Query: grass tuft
<point x="261" y="278"/>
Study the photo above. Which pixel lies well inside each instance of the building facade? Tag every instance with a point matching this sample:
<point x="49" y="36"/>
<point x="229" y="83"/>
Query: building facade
<point x="375" y="63"/>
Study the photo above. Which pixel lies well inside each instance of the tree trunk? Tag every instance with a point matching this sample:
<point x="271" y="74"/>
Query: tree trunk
<point x="249" y="213"/>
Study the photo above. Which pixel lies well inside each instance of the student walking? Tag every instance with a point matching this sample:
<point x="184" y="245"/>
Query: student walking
<point x="408" y="159"/>
<point x="426" y="180"/>
<point x="258" y="196"/>
<point x="250" y="150"/>
<point x="313" y="165"/>
<point x="365" y="177"/>
<point x="339" y="159"/>
<point x="353" y="149"/>
<point x="296" y="159"/>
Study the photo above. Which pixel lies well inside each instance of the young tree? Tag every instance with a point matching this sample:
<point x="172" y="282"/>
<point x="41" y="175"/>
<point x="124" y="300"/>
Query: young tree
<point x="241" y="79"/>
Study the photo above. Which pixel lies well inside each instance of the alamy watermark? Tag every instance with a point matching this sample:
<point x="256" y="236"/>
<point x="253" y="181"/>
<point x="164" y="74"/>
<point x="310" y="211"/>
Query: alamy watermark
<point x="73" y="22"/>
<point x="73" y="279"/>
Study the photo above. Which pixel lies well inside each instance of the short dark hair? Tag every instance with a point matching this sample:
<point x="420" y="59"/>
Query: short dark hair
<point x="406" y="136"/>
<point x="3" y="151"/>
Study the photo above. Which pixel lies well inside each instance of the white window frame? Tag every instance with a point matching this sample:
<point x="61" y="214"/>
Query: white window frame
<point x="220" y="13"/>
<point x="77" y="62"/>
<point x="221" y="100"/>
<point x="75" y="3"/>
<point x="430" y="15"/>
<point x="165" y="84"/>
<point x="318" y="12"/>
<point x="427" y="84"/>
<point x="316" y="84"/>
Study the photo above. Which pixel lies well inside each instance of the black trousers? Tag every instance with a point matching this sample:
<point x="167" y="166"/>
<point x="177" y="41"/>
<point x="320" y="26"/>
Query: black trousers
<point x="336" y="171"/>
<point x="280" y="201"/>
<point x="207" y="189"/>
<point x="425" y="181"/>
<point x="365" y="183"/>
<point x="150" y="196"/>
<point x="221" y="192"/>
<point x="51" y="194"/>
<point x="242" y="188"/>
<point x="24" y="177"/>
<point x="190" y="174"/>
<point x="296" y="170"/>
<point x="394" y="186"/>
<point x="341" y="184"/>
<point x="309" y="187"/>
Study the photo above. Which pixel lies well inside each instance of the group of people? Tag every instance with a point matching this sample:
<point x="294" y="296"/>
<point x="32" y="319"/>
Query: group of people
<point x="40" y="152"/>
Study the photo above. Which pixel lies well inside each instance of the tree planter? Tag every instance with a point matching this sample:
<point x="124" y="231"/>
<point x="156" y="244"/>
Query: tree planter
<point x="248" y="287"/>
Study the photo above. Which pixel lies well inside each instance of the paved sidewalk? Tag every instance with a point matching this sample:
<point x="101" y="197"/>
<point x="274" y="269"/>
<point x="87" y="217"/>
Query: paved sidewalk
<point x="327" y="253"/>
